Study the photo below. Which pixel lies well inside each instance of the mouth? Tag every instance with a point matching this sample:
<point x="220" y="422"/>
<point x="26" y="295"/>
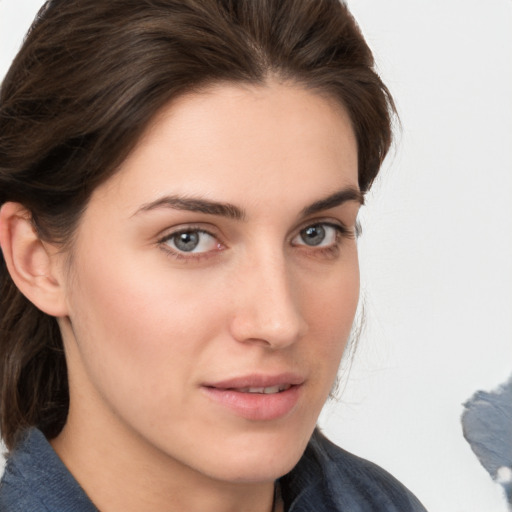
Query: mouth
<point x="259" y="383"/>
<point x="257" y="398"/>
<point x="269" y="390"/>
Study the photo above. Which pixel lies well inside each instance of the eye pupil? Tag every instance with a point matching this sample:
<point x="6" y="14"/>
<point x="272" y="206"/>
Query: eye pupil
<point x="186" y="241"/>
<point x="313" y="235"/>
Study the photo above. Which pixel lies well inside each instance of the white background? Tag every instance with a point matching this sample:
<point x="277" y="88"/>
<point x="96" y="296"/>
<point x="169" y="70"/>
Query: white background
<point x="436" y="252"/>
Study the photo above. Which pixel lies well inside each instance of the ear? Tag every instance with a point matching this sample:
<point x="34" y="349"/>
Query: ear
<point x="34" y="266"/>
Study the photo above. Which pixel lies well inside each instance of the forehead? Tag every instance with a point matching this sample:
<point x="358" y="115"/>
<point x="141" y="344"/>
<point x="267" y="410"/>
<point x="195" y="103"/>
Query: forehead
<point x="242" y="144"/>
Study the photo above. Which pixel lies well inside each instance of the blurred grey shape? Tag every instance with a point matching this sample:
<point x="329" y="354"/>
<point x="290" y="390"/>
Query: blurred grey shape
<point x="487" y="427"/>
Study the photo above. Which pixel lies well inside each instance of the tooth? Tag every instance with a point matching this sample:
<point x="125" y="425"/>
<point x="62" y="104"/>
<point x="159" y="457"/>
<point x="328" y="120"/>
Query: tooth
<point x="267" y="391"/>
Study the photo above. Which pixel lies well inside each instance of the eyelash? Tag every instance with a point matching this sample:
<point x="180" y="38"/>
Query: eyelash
<point x="342" y="232"/>
<point x="183" y="255"/>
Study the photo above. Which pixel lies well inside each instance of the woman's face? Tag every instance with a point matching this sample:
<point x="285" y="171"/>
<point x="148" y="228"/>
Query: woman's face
<point x="214" y="281"/>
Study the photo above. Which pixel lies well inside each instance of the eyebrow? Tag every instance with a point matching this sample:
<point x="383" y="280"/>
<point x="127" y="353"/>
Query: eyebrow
<point x="336" y="199"/>
<point x="195" y="205"/>
<point x="231" y="211"/>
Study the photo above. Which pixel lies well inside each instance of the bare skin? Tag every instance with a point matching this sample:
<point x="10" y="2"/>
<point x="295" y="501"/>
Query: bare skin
<point x="224" y="248"/>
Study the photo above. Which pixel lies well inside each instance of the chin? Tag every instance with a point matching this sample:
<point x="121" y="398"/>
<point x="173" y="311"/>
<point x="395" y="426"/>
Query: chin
<point x="258" y="458"/>
<point x="257" y="470"/>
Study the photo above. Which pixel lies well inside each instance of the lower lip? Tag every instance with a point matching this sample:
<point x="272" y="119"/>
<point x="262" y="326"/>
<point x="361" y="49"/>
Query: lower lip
<point x="256" y="406"/>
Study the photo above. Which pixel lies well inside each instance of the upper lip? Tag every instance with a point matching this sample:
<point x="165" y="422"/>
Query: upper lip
<point x="258" y="381"/>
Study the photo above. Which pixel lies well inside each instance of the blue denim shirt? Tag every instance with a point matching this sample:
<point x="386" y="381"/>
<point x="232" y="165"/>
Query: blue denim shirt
<point x="326" y="479"/>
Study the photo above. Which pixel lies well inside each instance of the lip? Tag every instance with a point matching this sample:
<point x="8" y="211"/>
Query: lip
<point x="256" y="406"/>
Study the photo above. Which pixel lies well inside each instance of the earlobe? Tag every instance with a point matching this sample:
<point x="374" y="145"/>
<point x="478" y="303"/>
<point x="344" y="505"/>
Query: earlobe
<point x="32" y="266"/>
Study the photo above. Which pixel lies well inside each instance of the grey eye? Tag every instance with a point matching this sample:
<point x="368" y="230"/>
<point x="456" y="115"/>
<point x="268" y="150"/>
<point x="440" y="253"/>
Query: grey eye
<point x="317" y="235"/>
<point x="186" y="242"/>
<point x="313" y="235"/>
<point x="192" y="241"/>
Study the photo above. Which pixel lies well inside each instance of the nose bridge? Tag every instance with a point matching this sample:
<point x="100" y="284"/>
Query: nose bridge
<point x="268" y="304"/>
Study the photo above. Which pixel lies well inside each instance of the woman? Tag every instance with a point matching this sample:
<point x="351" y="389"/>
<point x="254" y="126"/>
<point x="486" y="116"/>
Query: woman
<point x="180" y="183"/>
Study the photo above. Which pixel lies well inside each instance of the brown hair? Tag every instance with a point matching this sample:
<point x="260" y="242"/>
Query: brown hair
<point x="90" y="77"/>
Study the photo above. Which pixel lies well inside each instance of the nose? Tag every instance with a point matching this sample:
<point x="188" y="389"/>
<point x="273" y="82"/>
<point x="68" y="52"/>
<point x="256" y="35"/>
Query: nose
<point x="267" y="304"/>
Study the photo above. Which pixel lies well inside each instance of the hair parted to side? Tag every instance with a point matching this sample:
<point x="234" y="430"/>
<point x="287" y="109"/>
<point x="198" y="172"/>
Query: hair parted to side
<point x="90" y="77"/>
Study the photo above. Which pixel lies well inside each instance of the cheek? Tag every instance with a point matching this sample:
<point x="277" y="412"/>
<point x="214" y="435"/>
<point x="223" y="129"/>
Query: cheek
<point x="142" y="328"/>
<point x="330" y="310"/>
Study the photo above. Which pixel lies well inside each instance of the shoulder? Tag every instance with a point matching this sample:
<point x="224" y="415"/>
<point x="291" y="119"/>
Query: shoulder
<point x="35" y="480"/>
<point x="331" y="479"/>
